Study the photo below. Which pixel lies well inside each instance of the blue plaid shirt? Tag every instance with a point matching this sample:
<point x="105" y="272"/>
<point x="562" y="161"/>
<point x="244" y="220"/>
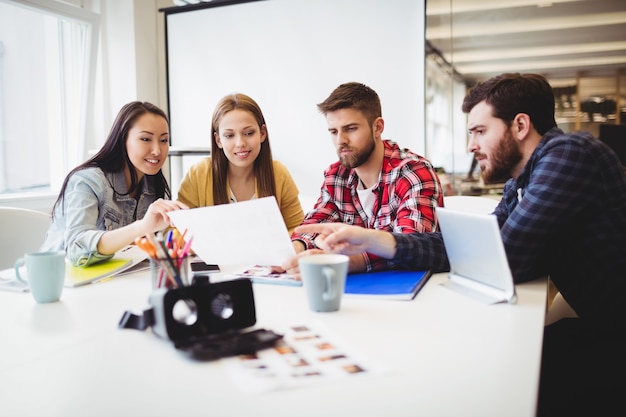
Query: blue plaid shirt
<point x="563" y="217"/>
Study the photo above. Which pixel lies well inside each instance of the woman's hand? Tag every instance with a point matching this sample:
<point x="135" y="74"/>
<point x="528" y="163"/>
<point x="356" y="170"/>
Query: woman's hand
<point x="157" y="217"/>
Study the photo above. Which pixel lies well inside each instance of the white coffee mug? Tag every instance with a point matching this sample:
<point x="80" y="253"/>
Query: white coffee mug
<point x="324" y="280"/>
<point x="45" y="274"/>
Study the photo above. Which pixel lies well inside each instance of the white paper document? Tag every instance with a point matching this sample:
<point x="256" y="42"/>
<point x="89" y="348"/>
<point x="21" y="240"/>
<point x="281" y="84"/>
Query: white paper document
<point x="245" y="233"/>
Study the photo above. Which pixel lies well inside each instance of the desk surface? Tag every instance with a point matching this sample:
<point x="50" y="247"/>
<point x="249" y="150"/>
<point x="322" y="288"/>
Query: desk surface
<point x="448" y="355"/>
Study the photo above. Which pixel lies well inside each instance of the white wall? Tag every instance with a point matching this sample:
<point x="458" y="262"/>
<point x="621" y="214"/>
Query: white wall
<point x="130" y="61"/>
<point x="131" y="66"/>
<point x="289" y="55"/>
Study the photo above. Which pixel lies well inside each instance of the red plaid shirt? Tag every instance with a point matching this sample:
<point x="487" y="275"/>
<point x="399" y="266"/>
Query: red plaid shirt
<point x="406" y="195"/>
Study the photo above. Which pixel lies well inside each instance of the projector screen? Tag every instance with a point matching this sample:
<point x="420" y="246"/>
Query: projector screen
<point x="288" y="55"/>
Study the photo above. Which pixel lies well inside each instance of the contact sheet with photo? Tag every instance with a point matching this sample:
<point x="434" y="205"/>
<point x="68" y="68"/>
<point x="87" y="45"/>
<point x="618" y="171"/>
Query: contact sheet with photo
<point x="307" y="354"/>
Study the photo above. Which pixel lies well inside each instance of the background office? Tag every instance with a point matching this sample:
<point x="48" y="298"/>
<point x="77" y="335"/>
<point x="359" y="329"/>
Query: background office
<point x="40" y="139"/>
<point x="130" y="64"/>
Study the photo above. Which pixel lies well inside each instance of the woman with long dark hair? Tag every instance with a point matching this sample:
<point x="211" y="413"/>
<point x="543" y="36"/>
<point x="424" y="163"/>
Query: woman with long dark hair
<point x="117" y="195"/>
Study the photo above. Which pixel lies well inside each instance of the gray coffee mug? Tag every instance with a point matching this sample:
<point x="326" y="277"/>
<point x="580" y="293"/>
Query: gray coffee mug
<point x="45" y="274"/>
<point x="324" y="280"/>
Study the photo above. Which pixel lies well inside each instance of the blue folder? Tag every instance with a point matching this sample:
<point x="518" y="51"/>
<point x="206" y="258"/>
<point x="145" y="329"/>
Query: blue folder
<point x="392" y="284"/>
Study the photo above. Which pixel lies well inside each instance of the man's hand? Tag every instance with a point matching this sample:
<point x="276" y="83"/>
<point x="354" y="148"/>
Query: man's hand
<point x="291" y="265"/>
<point x="351" y="240"/>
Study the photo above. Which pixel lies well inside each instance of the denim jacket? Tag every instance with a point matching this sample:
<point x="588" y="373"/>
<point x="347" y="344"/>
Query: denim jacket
<point x="94" y="202"/>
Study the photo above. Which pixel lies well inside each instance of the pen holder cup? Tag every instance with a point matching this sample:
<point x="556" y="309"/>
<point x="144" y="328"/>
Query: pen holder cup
<point x="169" y="272"/>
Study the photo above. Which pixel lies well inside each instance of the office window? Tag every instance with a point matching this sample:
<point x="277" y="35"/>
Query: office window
<point x="47" y="55"/>
<point x="446" y="132"/>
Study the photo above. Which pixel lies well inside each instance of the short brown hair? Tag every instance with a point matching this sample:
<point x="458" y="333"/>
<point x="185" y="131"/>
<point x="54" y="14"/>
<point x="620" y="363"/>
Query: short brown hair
<point x="353" y="95"/>
<point x="512" y="93"/>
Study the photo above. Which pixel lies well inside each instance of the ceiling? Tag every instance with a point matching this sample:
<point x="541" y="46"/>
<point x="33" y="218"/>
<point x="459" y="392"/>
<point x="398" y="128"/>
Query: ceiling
<point x="561" y="39"/>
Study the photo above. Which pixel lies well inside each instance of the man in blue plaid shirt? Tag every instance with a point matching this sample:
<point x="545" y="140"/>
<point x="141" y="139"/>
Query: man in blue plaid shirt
<point x="562" y="215"/>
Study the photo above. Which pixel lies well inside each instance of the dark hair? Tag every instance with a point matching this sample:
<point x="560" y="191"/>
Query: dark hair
<point x="353" y="95"/>
<point x="113" y="157"/>
<point x="513" y="93"/>
<point x="263" y="165"/>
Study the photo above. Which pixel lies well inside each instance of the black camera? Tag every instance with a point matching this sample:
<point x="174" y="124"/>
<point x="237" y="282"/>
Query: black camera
<point x="205" y="319"/>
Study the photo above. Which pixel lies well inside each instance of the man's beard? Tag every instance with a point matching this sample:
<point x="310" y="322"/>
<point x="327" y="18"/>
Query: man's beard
<point x="357" y="158"/>
<point x="506" y="156"/>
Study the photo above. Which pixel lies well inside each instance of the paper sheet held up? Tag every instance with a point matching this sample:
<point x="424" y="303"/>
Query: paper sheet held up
<point x="245" y="233"/>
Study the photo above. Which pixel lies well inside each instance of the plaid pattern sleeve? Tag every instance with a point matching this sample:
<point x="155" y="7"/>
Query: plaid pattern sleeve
<point x="410" y="193"/>
<point x="421" y="251"/>
<point x="334" y="204"/>
<point x="562" y="217"/>
<point x="568" y="188"/>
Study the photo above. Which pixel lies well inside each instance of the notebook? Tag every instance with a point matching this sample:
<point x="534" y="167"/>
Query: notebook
<point x="393" y="284"/>
<point x="479" y="267"/>
<point x="123" y="260"/>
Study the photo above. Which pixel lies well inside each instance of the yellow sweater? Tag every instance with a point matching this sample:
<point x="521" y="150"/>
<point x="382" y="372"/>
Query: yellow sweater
<point x="196" y="190"/>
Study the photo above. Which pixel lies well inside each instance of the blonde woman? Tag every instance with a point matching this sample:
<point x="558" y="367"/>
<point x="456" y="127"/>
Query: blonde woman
<point x="241" y="166"/>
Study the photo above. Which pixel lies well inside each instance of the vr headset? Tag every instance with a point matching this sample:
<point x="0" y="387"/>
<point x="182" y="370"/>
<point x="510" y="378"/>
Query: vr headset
<point x="205" y="320"/>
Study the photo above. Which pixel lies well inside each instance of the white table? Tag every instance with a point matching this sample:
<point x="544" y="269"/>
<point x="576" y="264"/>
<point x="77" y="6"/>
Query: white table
<point x="449" y="356"/>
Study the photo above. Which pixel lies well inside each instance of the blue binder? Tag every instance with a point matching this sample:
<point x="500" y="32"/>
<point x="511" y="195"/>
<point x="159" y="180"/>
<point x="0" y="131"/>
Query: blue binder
<point x="392" y="284"/>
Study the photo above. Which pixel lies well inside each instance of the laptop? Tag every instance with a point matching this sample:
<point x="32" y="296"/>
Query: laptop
<point x="479" y="267"/>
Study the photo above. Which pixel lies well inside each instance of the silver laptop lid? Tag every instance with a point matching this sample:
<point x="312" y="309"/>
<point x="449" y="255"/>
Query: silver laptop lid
<point x="478" y="264"/>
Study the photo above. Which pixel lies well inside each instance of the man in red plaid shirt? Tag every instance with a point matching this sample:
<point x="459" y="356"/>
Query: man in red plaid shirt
<point x="375" y="184"/>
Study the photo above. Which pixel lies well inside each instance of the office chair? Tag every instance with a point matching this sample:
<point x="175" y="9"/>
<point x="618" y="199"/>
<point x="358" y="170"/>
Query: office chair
<point x="23" y="231"/>
<point x="559" y="309"/>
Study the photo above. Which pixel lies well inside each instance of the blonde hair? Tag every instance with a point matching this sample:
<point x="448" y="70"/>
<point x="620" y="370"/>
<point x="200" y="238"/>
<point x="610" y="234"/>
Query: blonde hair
<point x="263" y="165"/>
